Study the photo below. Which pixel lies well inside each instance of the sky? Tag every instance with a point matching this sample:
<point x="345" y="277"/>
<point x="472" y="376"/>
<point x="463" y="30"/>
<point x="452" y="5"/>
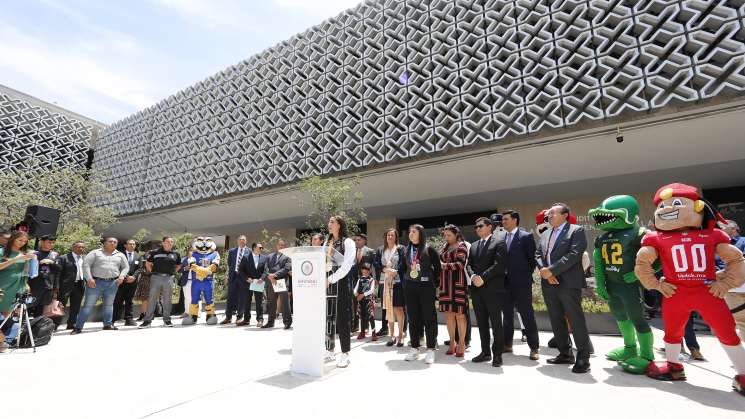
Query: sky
<point x="107" y="59"/>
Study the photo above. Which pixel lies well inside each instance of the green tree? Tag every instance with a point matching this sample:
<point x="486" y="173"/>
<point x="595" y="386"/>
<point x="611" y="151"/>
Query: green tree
<point x="73" y="190"/>
<point x="332" y="196"/>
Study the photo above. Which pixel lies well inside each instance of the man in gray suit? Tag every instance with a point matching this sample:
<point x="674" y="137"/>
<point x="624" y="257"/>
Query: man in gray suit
<point x="277" y="266"/>
<point x="559" y="258"/>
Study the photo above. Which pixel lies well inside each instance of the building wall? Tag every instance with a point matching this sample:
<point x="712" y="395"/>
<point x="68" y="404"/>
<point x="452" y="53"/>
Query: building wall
<point x="33" y="129"/>
<point x="376" y="228"/>
<point x="392" y="80"/>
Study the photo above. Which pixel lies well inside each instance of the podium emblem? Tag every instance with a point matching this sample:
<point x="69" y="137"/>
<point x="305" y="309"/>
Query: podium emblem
<point x="306" y="268"/>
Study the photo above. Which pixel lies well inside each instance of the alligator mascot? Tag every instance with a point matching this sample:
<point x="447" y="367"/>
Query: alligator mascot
<point x="615" y="258"/>
<point x="686" y="241"/>
<point x="203" y="264"/>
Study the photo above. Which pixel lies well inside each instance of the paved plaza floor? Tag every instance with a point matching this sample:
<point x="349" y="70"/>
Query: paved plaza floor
<point x="228" y="372"/>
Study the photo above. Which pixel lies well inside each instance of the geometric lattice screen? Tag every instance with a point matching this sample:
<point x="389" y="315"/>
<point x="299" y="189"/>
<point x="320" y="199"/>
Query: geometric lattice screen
<point x="29" y="131"/>
<point x="336" y="97"/>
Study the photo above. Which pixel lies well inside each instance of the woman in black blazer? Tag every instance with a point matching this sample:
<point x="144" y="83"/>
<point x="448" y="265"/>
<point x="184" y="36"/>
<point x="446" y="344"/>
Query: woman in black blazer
<point x="390" y="263"/>
<point x="420" y="285"/>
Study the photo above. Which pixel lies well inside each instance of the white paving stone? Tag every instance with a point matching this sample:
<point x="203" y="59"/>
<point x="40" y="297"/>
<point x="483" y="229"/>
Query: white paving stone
<point x="225" y="372"/>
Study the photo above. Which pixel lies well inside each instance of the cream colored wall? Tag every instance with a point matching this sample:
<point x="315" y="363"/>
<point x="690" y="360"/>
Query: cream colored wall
<point x="376" y="228"/>
<point x="580" y="207"/>
<point x="257" y="236"/>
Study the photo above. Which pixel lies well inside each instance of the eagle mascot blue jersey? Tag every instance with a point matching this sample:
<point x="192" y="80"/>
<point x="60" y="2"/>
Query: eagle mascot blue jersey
<point x="203" y="263"/>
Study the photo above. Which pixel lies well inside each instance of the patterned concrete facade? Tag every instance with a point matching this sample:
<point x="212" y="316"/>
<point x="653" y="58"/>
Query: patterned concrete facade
<point x="33" y="129"/>
<point x="392" y="80"/>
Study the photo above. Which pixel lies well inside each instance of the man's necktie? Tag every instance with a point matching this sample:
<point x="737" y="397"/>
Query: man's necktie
<point x="509" y="241"/>
<point x="481" y="246"/>
<point x="238" y="259"/>
<point x="550" y="246"/>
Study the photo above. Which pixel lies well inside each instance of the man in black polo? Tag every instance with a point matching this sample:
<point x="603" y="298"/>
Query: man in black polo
<point x="163" y="263"/>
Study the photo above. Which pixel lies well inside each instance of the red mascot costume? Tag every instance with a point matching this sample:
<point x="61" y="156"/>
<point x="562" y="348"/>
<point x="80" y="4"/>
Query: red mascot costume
<point x="686" y="242"/>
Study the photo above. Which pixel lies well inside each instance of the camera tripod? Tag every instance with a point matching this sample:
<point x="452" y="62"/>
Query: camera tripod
<point x="22" y="309"/>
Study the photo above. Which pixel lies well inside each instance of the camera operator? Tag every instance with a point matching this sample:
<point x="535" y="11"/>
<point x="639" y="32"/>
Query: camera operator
<point x="14" y="262"/>
<point x="46" y="281"/>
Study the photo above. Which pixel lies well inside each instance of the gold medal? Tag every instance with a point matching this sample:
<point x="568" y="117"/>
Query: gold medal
<point x="414" y="274"/>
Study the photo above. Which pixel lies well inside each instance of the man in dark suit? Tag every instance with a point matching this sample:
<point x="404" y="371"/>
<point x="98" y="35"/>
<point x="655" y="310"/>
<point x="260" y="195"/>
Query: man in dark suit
<point x="520" y="267"/>
<point x="364" y="255"/>
<point x="559" y="258"/>
<point x="71" y="283"/>
<point x="277" y="267"/>
<point x="252" y="268"/>
<point x="486" y="267"/>
<point x="126" y="291"/>
<point x="237" y="285"/>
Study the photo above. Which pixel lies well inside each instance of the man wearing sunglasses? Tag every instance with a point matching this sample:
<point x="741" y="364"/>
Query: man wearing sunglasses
<point x="486" y="267"/>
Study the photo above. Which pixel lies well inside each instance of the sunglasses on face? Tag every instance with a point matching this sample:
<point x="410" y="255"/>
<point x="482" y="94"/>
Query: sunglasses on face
<point x="478" y="226"/>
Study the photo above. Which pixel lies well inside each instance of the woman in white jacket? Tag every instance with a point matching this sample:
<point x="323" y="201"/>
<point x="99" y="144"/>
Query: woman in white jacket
<point x="338" y="239"/>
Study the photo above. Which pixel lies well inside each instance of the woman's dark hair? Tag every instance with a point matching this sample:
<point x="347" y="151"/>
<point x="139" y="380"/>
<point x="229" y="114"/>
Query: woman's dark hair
<point x="385" y="236"/>
<point x="460" y="236"/>
<point x="453" y="229"/>
<point x="343" y="232"/>
<point x="14" y="236"/>
<point x="422" y="236"/>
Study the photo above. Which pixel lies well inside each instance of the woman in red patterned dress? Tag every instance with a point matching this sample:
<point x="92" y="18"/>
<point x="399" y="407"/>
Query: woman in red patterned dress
<point x="454" y="288"/>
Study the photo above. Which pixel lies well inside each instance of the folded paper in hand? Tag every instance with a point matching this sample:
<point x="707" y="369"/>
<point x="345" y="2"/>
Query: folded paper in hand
<point x="257" y="286"/>
<point x="280" y="286"/>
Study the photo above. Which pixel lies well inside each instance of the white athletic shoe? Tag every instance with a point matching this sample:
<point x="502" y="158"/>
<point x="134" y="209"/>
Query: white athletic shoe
<point x="330" y="357"/>
<point x="413" y="355"/>
<point x="430" y="357"/>
<point x="343" y="360"/>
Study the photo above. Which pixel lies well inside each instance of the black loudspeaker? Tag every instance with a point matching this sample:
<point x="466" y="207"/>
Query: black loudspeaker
<point x="42" y="221"/>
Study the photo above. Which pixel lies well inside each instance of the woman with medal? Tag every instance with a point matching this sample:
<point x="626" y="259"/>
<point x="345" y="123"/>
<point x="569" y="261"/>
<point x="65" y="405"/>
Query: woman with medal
<point x="421" y="278"/>
<point x="390" y="262"/>
<point x="338" y="239"/>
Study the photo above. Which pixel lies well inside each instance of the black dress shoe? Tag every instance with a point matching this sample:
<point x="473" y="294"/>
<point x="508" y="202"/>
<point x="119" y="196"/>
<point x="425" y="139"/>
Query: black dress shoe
<point x="581" y="366"/>
<point x="267" y="326"/>
<point x="383" y="332"/>
<point x="446" y="343"/>
<point x="561" y="359"/>
<point x="482" y="358"/>
<point x="130" y="322"/>
<point x="141" y="318"/>
<point x="76" y="331"/>
<point x="551" y="343"/>
<point x="497" y="362"/>
<point x="110" y="327"/>
<point x="288" y="327"/>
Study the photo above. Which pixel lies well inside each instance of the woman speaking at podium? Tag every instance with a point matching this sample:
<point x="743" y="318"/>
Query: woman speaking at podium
<point x="338" y="239"/>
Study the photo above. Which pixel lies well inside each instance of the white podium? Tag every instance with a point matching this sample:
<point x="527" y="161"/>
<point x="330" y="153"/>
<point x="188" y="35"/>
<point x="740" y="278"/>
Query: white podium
<point x="309" y="270"/>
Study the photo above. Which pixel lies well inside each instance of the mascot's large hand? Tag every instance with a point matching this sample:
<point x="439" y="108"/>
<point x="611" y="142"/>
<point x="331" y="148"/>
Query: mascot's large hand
<point x="201" y="272"/>
<point x="600" y="288"/>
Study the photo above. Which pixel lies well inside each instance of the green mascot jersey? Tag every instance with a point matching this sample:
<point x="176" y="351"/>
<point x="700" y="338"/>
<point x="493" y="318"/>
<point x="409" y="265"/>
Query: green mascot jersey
<point x="618" y="249"/>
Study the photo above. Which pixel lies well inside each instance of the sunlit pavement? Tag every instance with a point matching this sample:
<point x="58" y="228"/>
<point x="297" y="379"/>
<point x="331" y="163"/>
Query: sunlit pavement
<point x="223" y="371"/>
